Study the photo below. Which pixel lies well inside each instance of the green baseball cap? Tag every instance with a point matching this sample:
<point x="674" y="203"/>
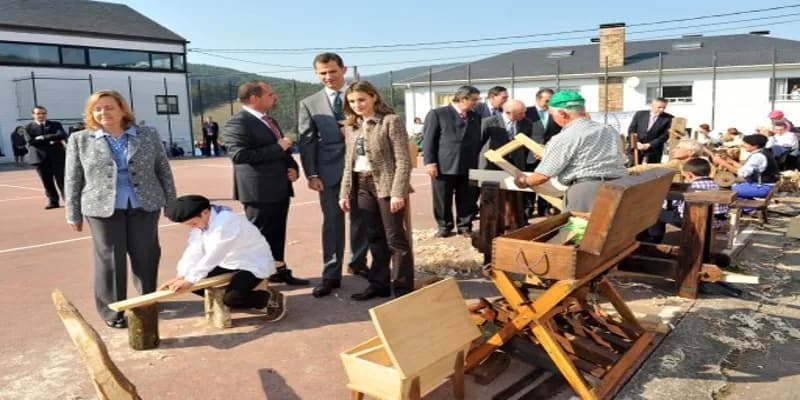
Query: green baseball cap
<point x="567" y="99"/>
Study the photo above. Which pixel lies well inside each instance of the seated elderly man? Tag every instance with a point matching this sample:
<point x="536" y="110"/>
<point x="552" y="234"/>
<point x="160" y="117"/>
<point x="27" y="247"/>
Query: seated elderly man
<point x="582" y="156"/>
<point x="685" y="150"/>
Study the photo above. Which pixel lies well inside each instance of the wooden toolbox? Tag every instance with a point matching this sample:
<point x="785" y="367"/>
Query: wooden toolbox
<point x="422" y="339"/>
<point x="623" y="208"/>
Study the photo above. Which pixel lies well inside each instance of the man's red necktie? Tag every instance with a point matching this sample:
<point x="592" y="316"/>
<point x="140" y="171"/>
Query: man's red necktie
<point x="272" y="127"/>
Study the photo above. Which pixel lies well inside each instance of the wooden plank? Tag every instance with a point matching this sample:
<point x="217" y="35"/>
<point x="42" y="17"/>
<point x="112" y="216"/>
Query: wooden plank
<point x="531" y="145"/>
<point x="658" y="266"/>
<point x="423" y="326"/>
<point x="710" y="196"/>
<point x="498" y="160"/>
<point x="109" y="382"/>
<point x="154" y="297"/>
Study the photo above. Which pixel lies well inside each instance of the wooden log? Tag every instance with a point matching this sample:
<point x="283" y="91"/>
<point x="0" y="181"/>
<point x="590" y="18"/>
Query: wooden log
<point x="218" y="315"/>
<point x="143" y="327"/>
<point x="108" y="380"/>
<point x="150" y="298"/>
<point x="491" y="221"/>
<point x="634" y="142"/>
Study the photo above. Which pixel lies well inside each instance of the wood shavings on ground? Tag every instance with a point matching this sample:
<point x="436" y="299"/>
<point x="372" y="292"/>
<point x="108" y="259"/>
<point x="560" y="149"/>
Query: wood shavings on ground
<point x="452" y="256"/>
<point x="753" y="328"/>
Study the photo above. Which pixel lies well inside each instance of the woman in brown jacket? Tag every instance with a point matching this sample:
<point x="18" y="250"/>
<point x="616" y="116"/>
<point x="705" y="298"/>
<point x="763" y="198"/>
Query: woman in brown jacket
<point x="377" y="171"/>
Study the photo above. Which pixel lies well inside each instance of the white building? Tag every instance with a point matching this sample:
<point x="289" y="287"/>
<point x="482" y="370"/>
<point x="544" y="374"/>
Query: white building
<point x="54" y="53"/>
<point x="725" y="81"/>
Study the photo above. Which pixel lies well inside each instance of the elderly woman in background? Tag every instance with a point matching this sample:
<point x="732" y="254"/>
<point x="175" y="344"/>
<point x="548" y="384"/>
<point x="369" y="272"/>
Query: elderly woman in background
<point x="685" y="150"/>
<point x="118" y="177"/>
<point x="377" y="171"/>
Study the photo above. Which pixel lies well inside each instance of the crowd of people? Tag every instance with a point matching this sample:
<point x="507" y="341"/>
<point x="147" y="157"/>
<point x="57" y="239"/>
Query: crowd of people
<point x="115" y="175"/>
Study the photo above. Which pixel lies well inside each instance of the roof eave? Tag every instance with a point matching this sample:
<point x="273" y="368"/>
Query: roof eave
<point x="530" y="78"/>
<point x="93" y="35"/>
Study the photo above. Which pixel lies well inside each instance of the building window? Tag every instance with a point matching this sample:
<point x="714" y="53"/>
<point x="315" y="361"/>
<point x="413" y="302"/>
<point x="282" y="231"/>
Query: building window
<point x="787" y="89"/>
<point x="166" y="104"/>
<point x="161" y="60"/>
<point x="20" y="53"/>
<point x="672" y="92"/>
<point x="177" y="62"/>
<point x="119" y="59"/>
<point x="73" y="56"/>
<point x="444" y="99"/>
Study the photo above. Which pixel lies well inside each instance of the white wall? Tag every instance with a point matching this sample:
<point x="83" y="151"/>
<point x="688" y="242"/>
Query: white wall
<point x="65" y="99"/>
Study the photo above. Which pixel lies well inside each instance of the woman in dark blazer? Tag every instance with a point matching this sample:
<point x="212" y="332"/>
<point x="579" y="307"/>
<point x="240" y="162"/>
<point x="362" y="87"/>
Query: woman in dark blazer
<point x="118" y="177"/>
<point x="377" y="171"/>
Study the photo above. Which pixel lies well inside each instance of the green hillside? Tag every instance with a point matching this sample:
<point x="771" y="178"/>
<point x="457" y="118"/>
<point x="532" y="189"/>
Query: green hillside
<point x="214" y="90"/>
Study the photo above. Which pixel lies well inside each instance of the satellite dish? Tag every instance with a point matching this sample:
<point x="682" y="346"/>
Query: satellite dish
<point x="632" y="82"/>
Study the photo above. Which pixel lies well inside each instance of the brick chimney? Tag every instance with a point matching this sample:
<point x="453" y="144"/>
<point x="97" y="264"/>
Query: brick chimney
<point x="611" y="49"/>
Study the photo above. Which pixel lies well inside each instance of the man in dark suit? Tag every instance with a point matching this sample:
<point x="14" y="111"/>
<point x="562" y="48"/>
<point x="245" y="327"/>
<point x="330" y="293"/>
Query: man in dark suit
<point x="495" y="98"/>
<point x="322" y="154"/>
<point x="210" y="135"/>
<point x="544" y="128"/>
<point x="263" y="170"/>
<point x="451" y="147"/>
<point x="46" y="140"/>
<point x="652" y="128"/>
<point x="498" y="130"/>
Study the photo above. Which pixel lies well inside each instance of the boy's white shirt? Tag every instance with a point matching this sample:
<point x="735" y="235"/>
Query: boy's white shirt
<point x="230" y="242"/>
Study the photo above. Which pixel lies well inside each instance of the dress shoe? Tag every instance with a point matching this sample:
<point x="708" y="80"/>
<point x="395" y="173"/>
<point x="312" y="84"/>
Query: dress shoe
<point x="119" y="323"/>
<point x="326" y="287"/>
<point x="401" y="292"/>
<point x="284" y="275"/>
<point x="370" y="293"/>
<point x="51" y="206"/>
<point x="276" y="306"/>
<point x="443" y="234"/>
<point x="359" y="271"/>
<point x="465" y="233"/>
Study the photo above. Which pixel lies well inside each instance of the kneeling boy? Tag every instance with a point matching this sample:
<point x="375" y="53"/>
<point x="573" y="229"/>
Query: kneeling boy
<point x="221" y="241"/>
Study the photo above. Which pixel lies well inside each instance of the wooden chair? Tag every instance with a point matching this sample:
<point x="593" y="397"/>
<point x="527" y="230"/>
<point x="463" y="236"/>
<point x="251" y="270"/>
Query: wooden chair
<point x="422" y="339"/>
<point x="108" y="380"/>
<point x="593" y="351"/>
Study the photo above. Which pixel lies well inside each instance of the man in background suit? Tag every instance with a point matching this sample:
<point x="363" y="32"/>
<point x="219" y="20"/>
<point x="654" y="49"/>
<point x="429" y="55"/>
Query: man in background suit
<point x="451" y="147"/>
<point x="322" y="154"/>
<point x="498" y="130"/>
<point x="544" y="128"/>
<point x="210" y="135"/>
<point x="263" y="170"/>
<point x="495" y="98"/>
<point x="652" y="128"/>
<point x="46" y="140"/>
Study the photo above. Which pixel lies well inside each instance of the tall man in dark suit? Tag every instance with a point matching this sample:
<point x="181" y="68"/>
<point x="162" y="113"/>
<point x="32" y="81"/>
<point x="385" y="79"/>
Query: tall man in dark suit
<point x="451" y="147"/>
<point x="498" y="130"/>
<point x="652" y="128"/>
<point x="322" y="154"/>
<point x="210" y="136"/>
<point x="544" y="128"/>
<point x="495" y="98"/>
<point x="46" y="140"/>
<point x="263" y="170"/>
